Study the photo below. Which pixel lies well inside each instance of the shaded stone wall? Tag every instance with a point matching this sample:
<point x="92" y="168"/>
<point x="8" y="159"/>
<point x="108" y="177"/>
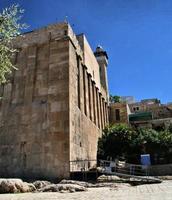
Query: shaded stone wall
<point x="34" y="116"/>
<point x="88" y="116"/>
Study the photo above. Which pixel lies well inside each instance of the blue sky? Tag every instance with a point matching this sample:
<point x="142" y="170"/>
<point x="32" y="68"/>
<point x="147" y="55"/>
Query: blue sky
<point x="137" y="35"/>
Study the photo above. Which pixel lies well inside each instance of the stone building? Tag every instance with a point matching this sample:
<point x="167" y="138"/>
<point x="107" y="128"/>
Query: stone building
<point x="145" y="105"/>
<point x="55" y="105"/>
<point x="119" y="113"/>
<point x="148" y="113"/>
<point x="158" y="110"/>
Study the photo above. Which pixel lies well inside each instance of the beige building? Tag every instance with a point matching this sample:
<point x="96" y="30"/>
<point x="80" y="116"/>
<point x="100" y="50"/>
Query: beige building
<point x="149" y="113"/>
<point x="119" y="113"/>
<point x="55" y="106"/>
<point x="158" y="110"/>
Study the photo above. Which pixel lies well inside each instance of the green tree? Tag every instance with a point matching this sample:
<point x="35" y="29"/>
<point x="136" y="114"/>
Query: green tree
<point x="115" y="99"/>
<point x="147" y="141"/>
<point x="9" y="29"/>
<point x="154" y="143"/>
<point x="115" y="141"/>
<point x="122" y="140"/>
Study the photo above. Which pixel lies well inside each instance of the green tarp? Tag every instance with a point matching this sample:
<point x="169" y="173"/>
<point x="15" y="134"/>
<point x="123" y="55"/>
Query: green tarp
<point x="142" y="116"/>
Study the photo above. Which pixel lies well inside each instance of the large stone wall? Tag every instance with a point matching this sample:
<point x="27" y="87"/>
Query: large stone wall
<point x="34" y="112"/>
<point x="46" y="120"/>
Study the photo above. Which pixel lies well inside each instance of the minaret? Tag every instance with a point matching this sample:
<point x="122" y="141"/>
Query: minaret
<point x="102" y="59"/>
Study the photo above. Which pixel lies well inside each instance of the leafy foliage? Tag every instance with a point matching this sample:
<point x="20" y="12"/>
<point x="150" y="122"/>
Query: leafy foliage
<point x="115" y="99"/>
<point x="9" y="29"/>
<point x="115" y="141"/>
<point x="122" y="140"/>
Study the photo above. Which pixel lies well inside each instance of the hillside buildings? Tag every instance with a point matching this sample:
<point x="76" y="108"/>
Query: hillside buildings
<point x="149" y="113"/>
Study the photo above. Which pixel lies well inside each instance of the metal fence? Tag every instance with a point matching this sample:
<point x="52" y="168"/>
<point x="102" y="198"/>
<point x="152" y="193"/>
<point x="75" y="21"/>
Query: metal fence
<point x="111" y="167"/>
<point x="85" y="168"/>
<point x="106" y="166"/>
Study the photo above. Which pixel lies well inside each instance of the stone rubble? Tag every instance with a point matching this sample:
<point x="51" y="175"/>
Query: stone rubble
<point x="89" y="185"/>
<point x="104" y="178"/>
<point x="63" y="188"/>
<point x="15" y="186"/>
<point x="40" y="184"/>
<point x="80" y="183"/>
<point x="18" y="186"/>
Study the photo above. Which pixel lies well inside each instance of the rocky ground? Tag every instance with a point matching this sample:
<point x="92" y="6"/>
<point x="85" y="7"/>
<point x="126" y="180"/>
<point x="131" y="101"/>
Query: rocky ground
<point x="70" y="190"/>
<point x="162" y="191"/>
<point x="65" y="186"/>
<point x="19" y="186"/>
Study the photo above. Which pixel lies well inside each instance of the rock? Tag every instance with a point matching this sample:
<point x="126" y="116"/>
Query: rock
<point x="63" y="191"/>
<point x="113" y="178"/>
<point x="144" y="180"/>
<point x="41" y="184"/>
<point x="9" y="186"/>
<point x="88" y="185"/>
<point x="49" y="188"/>
<point x="27" y="187"/>
<point x="15" y="186"/>
<point x="71" y="187"/>
<point x="80" y="183"/>
<point x="100" y="169"/>
<point x="62" y="188"/>
<point x="164" y="177"/>
<point x="31" y="186"/>
<point x="72" y="190"/>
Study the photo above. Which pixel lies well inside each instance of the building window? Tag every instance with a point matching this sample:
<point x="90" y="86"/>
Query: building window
<point x="117" y="114"/>
<point x="94" y="106"/>
<point x="136" y="108"/>
<point x="84" y="89"/>
<point x="89" y="95"/>
<point x="65" y="32"/>
<point x="101" y="110"/>
<point x="93" y="73"/>
<point x="97" y="102"/>
<point x="104" y="113"/>
<point x="78" y="82"/>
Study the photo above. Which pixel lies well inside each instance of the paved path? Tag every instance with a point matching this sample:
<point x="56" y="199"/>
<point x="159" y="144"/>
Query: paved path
<point x="161" y="191"/>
